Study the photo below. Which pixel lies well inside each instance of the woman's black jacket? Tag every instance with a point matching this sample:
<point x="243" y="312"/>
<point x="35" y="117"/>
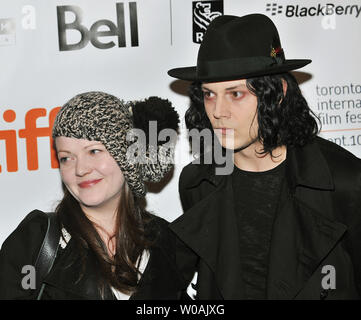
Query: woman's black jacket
<point x="160" y="279"/>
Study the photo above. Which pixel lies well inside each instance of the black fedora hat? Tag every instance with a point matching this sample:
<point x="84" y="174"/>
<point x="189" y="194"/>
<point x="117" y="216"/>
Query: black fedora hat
<point x="239" y="48"/>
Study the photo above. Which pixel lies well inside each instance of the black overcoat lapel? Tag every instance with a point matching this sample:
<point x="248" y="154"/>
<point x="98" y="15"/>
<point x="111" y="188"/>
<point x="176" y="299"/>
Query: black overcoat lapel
<point x="304" y="230"/>
<point x="302" y="238"/>
<point x="210" y="229"/>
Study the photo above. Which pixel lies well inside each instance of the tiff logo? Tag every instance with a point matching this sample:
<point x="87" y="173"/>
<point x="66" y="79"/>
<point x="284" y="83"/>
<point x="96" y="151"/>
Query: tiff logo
<point x="30" y="133"/>
<point x="274" y="8"/>
<point x="98" y="30"/>
<point x="203" y="13"/>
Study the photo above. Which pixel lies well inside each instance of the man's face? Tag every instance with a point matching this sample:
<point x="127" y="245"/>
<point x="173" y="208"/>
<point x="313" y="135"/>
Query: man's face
<point x="232" y="111"/>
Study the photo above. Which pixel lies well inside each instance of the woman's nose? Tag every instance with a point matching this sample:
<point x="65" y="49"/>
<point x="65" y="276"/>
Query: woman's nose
<point x="83" y="166"/>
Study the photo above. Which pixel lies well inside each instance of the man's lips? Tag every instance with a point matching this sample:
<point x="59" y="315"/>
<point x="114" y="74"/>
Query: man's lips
<point x="88" y="183"/>
<point x="224" y="130"/>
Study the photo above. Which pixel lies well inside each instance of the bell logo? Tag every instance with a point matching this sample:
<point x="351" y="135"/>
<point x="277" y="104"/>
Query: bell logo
<point x="96" y="31"/>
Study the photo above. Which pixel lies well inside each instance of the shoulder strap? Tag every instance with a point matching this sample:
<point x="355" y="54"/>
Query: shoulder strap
<point x="47" y="253"/>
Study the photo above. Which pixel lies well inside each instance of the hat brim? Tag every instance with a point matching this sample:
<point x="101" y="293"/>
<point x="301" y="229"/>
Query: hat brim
<point x="190" y="73"/>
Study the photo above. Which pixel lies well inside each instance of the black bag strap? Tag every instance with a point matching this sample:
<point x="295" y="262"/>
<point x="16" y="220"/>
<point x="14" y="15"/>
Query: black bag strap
<point x="47" y="253"/>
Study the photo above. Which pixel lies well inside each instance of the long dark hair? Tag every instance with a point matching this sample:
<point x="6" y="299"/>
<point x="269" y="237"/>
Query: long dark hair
<point x="282" y="120"/>
<point x="121" y="271"/>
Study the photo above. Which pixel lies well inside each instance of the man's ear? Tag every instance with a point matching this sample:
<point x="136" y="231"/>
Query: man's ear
<point x="284" y="86"/>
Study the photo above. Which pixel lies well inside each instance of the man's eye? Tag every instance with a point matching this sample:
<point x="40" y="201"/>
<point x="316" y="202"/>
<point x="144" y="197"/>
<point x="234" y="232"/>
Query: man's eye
<point x="237" y="94"/>
<point x="94" y="151"/>
<point x="208" y="94"/>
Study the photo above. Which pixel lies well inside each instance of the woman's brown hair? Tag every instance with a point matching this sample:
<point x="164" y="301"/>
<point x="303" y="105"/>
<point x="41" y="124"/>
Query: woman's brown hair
<point x="121" y="270"/>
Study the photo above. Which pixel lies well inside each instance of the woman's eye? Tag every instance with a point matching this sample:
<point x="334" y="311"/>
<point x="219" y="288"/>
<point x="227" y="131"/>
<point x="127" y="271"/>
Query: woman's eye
<point x="94" y="151"/>
<point x="63" y="159"/>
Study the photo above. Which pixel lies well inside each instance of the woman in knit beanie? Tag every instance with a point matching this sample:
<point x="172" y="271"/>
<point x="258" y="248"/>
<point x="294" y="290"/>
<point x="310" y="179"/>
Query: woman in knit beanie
<point x="108" y="245"/>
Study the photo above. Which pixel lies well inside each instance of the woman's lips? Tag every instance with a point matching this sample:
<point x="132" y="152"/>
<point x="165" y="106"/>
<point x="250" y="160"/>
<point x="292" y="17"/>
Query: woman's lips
<point x="89" y="183"/>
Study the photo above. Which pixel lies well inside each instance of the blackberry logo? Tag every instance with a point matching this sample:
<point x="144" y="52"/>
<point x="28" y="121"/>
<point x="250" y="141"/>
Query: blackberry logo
<point x="328" y="9"/>
<point x="203" y="13"/>
<point x="274" y="8"/>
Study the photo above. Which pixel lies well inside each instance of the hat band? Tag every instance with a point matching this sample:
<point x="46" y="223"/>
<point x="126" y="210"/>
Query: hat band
<point x="226" y="67"/>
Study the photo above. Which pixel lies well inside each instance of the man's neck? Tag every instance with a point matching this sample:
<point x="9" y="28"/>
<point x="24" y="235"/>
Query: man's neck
<point x="250" y="159"/>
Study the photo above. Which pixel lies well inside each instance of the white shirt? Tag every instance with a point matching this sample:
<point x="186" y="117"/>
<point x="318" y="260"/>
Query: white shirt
<point x="143" y="263"/>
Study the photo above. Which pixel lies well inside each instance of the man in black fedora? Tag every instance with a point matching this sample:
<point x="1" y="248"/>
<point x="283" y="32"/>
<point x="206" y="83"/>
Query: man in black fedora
<point x="286" y="223"/>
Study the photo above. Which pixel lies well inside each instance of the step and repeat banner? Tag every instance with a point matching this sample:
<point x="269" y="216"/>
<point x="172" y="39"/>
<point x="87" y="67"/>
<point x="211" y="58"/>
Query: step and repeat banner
<point x="53" y="50"/>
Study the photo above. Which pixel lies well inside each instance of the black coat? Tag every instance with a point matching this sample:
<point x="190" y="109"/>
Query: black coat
<point x="318" y="223"/>
<point x="160" y="279"/>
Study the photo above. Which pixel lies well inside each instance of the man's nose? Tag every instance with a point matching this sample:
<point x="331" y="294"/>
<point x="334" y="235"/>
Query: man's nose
<point x="221" y="109"/>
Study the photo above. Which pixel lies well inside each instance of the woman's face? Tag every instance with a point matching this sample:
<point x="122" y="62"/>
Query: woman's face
<point x="90" y="173"/>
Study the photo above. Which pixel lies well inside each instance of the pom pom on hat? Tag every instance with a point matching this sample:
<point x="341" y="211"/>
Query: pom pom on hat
<point x="154" y="109"/>
<point x="166" y="117"/>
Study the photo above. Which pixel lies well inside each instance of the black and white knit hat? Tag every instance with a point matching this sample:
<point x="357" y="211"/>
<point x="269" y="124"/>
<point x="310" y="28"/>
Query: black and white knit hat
<point x="98" y="116"/>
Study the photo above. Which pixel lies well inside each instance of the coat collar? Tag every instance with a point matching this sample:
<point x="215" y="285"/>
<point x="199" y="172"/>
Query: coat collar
<point x="305" y="166"/>
<point x="302" y="236"/>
